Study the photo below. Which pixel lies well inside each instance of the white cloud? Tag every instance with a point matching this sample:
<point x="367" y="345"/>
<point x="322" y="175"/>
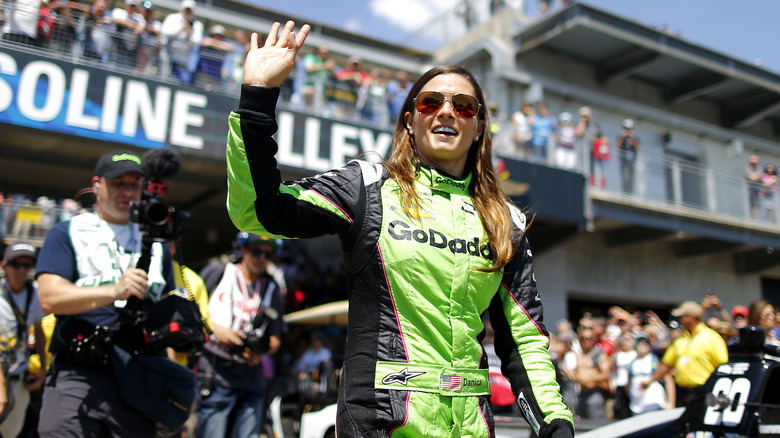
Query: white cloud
<point x="427" y="22"/>
<point x="352" y="25"/>
<point x="421" y="20"/>
<point x="410" y="15"/>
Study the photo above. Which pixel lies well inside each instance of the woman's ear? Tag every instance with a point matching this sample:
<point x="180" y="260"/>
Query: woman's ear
<point x="408" y="121"/>
<point x="480" y="130"/>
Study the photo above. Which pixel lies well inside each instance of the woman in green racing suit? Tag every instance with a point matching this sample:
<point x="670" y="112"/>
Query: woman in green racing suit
<point x="430" y="244"/>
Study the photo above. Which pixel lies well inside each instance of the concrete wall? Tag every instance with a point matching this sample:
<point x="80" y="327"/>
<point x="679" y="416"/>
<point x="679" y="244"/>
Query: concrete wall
<point x="638" y="274"/>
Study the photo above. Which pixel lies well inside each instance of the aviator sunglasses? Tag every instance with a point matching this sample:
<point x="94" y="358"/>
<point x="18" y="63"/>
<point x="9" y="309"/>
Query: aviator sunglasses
<point x="465" y="105"/>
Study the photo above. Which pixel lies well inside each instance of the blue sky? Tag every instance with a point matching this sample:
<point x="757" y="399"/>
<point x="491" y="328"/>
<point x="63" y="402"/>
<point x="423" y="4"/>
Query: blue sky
<point x="746" y="30"/>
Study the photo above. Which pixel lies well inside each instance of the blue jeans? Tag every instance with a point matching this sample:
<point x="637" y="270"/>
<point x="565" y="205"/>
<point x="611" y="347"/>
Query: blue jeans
<point x="214" y="413"/>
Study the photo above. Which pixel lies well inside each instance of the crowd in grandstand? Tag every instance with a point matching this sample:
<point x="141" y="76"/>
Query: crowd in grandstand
<point x="136" y="38"/>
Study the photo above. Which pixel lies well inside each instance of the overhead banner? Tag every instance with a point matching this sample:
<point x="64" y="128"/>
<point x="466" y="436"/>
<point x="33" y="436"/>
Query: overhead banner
<point x="549" y="192"/>
<point x="55" y="95"/>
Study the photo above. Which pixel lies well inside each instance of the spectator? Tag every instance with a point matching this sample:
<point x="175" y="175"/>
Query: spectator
<point x="600" y="156"/>
<point x="234" y="382"/>
<point x="623" y="358"/>
<point x="25" y="214"/>
<point x="522" y="122"/>
<point x="46" y="22"/>
<point x="64" y="33"/>
<point x="234" y="63"/>
<point x="768" y="188"/>
<point x="319" y="70"/>
<point x="776" y="330"/>
<point x="655" y="396"/>
<point x="754" y="182"/>
<point x="184" y="33"/>
<point x="151" y="41"/>
<point x="84" y="266"/>
<point x="97" y="45"/>
<point x="48" y="209"/>
<point x="566" y="361"/>
<point x="714" y="312"/>
<point x="129" y="25"/>
<point x="693" y="356"/>
<point x="587" y="131"/>
<point x="19" y="310"/>
<point x="762" y="314"/>
<point x="21" y="25"/>
<point x="349" y="80"/>
<point x="627" y="146"/>
<point x="591" y="372"/>
<point x="542" y="130"/>
<point x="214" y="50"/>
<point x="565" y="150"/>
<point x="545" y="8"/>
<point x="313" y="357"/>
<point x="397" y="91"/>
<point x="372" y="98"/>
<point x="496" y="6"/>
<point x="739" y="316"/>
<point x="68" y="209"/>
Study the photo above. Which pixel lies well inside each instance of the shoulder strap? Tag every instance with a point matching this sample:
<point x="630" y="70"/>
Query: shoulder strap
<point x="21" y="319"/>
<point x="270" y="285"/>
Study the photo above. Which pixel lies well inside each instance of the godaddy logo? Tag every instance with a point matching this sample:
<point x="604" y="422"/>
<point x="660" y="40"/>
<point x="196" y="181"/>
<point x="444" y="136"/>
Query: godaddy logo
<point x="126" y="157"/>
<point x="458" y="184"/>
<point x="400" y="230"/>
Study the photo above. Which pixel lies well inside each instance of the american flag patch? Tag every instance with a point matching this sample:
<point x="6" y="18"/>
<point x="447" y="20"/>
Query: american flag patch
<point x="450" y="382"/>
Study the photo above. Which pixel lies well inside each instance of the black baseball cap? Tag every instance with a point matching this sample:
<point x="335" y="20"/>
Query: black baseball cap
<point x="19" y="249"/>
<point x="116" y="163"/>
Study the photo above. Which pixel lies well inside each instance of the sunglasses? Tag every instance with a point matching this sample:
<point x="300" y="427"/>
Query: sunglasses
<point x="19" y="265"/>
<point x="257" y="252"/>
<point x="465" y="105"/>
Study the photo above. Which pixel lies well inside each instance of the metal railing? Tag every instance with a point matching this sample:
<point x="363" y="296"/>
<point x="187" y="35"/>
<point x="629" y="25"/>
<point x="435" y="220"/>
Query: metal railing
<point x="665" y="181"/>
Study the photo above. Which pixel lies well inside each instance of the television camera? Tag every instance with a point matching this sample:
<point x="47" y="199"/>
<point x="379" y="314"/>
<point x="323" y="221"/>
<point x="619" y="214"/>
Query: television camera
<point x="174" y="321"/>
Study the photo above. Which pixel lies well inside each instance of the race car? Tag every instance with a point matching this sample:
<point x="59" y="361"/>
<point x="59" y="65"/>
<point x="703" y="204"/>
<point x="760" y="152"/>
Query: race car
<point x="740" y="399"/>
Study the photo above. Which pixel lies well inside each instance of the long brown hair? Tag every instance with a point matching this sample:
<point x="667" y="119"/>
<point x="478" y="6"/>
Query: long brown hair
<point x="756" y="310"/>
<point x="489" y="200"/>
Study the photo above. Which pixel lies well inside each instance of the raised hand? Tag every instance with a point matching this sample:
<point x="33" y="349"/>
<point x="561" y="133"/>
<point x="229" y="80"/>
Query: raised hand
<point x="269" y="66"/>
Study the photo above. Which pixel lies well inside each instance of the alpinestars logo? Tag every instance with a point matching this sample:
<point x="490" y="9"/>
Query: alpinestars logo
<point x="525" y="408"/>
<point x="402" y="377"/>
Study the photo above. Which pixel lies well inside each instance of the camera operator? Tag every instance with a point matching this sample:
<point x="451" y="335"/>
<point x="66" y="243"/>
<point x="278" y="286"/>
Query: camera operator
<point x="245" y="312"/>
<point x="86" y="269"/>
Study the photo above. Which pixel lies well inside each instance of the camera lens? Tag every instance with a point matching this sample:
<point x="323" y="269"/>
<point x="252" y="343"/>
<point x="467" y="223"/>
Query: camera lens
<point x="156" y="212"/>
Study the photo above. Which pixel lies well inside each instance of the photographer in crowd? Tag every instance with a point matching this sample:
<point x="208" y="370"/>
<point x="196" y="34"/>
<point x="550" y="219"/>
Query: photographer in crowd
<point x="19" y="310"/>
<point x="86" y="272"/>
<point x="246" y="317"/>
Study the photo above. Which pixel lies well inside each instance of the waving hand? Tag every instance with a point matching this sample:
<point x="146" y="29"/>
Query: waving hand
<point x="268" y="66"/>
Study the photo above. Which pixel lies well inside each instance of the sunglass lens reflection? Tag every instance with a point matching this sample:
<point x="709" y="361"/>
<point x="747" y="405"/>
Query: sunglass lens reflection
<point x="428" y="102"/>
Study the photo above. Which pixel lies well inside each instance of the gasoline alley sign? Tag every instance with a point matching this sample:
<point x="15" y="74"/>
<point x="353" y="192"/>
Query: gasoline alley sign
<point x="54" y="95"/>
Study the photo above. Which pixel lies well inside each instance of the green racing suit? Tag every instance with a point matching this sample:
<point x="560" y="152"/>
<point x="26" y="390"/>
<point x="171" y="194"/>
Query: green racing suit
<point x="414" y="365"/>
